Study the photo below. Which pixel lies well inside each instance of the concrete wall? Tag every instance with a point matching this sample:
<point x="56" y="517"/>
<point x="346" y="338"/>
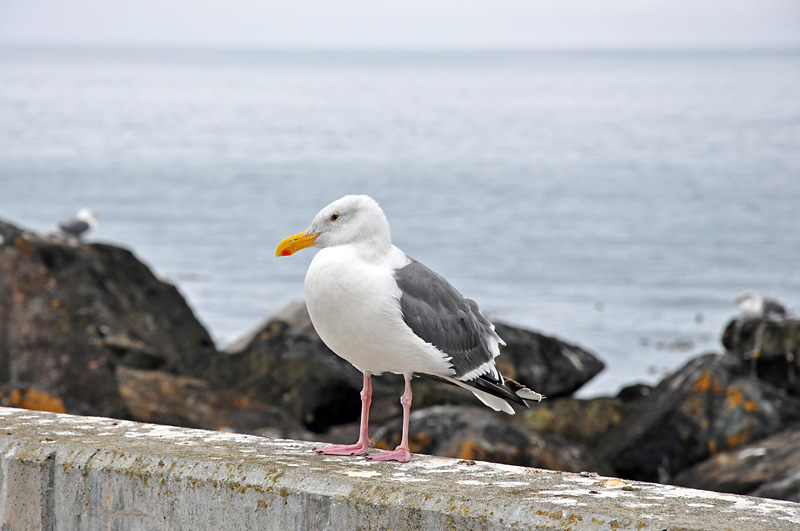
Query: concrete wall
<point x="67" y="472"/>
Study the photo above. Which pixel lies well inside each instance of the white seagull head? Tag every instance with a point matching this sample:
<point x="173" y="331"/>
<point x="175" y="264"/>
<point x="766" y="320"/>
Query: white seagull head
<point x="88" y="216"/>
<point x="748" y="295"/>
<point x="351" y="220"/>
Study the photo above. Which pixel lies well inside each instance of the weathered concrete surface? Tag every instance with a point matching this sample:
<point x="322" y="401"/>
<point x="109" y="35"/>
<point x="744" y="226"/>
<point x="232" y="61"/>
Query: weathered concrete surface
<point x="68" y="472"/>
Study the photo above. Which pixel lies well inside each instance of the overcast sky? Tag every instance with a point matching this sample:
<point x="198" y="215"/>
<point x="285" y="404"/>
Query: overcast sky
<point x="405" y="23"/>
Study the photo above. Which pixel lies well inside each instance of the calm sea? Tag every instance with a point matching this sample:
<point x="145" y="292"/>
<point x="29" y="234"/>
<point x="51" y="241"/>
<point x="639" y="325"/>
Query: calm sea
<point x="616" y="200"/>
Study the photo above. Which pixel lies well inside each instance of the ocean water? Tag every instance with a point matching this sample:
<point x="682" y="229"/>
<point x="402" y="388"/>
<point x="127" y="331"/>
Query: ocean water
<point x="615" y="200"/>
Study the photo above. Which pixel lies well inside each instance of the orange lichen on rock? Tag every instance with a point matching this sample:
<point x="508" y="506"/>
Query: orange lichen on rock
<point x="736" y="399"/>
<point x="737" y="439"/>
<point x="750" y="405"/>
<point x="693" y="406"/>
<point x="419" y="442"/>
<point x="22" y="244"/>
<point x="706" y="382"/>
<point x="468" y="451"/>
<point x="32" y="399"/>
<point x="384" y="444"/>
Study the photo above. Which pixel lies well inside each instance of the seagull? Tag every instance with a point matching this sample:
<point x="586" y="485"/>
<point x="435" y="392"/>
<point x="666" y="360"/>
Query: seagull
<point x="83" y="222"/>
<point x="756" y="306"/>
<point x="385" y="312"/>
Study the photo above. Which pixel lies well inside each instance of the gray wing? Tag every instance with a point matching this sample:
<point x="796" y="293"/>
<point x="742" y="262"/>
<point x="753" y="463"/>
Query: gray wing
<point x="73" y="227"/>
<point x="773" y="307"/>
<point x="440" y="315"/>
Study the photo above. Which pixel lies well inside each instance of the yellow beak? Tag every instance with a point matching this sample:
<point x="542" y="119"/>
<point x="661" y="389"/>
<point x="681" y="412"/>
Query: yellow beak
<point x="292" y="244"/>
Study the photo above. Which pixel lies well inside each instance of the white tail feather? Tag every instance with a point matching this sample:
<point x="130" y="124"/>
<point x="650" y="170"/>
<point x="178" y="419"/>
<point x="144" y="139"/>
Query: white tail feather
<point x="494" y="402"/>
<point x="527" y="394"/>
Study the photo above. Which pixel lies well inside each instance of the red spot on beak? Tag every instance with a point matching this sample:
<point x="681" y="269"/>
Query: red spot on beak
<point x="286" y="252"/>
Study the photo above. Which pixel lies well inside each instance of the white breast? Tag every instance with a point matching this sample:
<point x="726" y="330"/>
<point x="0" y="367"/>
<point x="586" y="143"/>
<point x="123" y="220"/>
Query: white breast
<point x="354" y="306"/>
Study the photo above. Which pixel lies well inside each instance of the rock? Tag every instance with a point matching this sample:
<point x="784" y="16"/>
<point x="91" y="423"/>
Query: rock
<point x="769" y="468"/>
<point x="70" y="313"/>
<point x="163" y="398"/>
<point x="706" y="407"/>
<point x="770" y="347"/>
<point x="77" y="318"/>
<point x="478" y="433"/>
<point x="543" y="363"/>
<point x="635" y="392"/>
<point x="579" y="421"/>
<point x="293" y="314"/>
<point x="282" y="366"/>
<point x="342" y="433"/>
<point x="31" y="399"/>
<point x="286" y="351"/>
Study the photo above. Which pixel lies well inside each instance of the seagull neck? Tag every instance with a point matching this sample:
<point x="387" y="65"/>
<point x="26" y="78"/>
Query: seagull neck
<point x="373" y="249"/>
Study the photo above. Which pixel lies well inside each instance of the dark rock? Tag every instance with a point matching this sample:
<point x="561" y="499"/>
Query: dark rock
<point x="285" y="367"/>
<point x="543" y="363"/>
<point x="342" y="433"/>
<point x="770" y="347"/>
<point x="634" y="392"/>
<point x="296" y="329"/>
<point x="769" y="468"/>
<point x="704" y="408"/>
<point x="322" y="390"/>
<point x="576" y="420"/>
<point x="479" y="433"/>
<point x="76" y="318"/>
<point x="70" y="313"/>
<point x="163" y="398"/>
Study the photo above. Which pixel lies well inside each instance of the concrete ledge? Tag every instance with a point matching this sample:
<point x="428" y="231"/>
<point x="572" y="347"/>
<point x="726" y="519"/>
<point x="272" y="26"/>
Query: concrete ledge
<point x="68" y="472"/>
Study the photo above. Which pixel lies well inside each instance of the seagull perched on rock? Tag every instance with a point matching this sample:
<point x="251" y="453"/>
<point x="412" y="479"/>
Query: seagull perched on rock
<point x="83" y="222"/>
<point x="385" y="312"/>
<point x="756" y="306"/>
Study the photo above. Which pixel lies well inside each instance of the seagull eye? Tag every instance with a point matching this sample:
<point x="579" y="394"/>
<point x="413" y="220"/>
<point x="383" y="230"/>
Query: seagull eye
<point x="335" y="217"/>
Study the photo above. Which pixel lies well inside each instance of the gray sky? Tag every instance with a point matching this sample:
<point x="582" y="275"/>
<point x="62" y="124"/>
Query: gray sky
<point x="406" y="23"/>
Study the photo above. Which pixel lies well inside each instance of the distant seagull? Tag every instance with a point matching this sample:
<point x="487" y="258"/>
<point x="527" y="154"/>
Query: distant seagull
<point x="77" y="227"/>
<point x="756" y="306"/>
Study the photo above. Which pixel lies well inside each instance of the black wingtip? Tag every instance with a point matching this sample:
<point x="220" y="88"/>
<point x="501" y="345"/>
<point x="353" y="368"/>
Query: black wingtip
<point x="504" y="388"/>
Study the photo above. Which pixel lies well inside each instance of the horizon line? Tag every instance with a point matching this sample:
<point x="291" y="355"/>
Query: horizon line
<point x="198" y="47"/>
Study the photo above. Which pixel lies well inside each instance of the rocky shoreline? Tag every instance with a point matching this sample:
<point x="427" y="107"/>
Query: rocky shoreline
<point x="88" y="329"/>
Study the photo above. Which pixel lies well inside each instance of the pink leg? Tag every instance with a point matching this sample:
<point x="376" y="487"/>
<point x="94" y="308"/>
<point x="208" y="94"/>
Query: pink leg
<point x="359" y="448"/>
<point x="401" y="453"/>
